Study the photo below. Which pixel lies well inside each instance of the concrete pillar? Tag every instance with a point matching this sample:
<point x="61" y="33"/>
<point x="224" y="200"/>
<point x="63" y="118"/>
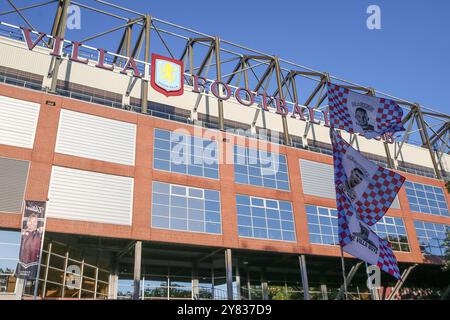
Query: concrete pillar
<point x="113" y="281"/>
<point x="304" y="275"/>
<point x="264" y="285"/>
<point x="229" y="273"/>
<point x="137" y="269"/>
<point x="323" y="290"/>
<point x="195" y="283"/>
<point x="238" y="282"/>
<point x="249" y="287"/>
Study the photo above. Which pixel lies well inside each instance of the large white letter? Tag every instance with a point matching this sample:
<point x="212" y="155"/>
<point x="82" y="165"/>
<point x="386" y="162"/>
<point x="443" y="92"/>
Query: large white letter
<point x="374" y="20"/>
<point x="73" y="17"/>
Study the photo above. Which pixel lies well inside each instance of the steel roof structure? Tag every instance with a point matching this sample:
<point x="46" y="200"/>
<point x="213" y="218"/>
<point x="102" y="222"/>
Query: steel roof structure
<point x="134" y="34"/>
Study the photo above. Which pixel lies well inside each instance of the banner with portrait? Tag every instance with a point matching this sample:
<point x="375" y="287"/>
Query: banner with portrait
<point x="33" y="225"/>
<point x="361" y="113"/>
<point x="370" y="189"/>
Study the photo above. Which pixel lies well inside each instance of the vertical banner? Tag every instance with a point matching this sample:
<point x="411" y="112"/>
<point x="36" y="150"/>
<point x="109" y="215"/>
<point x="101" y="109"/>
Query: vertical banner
<point x="33" y="224"/>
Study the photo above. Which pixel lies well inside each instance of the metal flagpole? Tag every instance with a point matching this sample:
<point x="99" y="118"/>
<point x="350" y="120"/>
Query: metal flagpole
<point x="343" y="274"/>
<point x="40" y="255"/>
<point x="369" y="284"/>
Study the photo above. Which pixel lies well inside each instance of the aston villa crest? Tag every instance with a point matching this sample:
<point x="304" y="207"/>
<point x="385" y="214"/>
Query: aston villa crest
<point x="167" y="76"/>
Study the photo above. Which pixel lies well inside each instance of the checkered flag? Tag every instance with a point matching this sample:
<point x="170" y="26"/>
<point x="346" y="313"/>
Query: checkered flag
<point x="359" y="240"/>
<point x="370" y="189"/>
<point x="364" y="192"/>
<point x="363" y="114"/>
<point x="387" y="260"/>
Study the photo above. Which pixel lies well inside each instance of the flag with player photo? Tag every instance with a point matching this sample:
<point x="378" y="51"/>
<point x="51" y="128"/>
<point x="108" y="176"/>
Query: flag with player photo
<point x="356" y="238"/>
<point x="370" y="189"/>
<point x="360" y="113"/>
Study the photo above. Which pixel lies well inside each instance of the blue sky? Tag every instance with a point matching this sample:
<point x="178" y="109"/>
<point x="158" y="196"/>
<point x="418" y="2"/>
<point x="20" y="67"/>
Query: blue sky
<point x="408" y="57"/>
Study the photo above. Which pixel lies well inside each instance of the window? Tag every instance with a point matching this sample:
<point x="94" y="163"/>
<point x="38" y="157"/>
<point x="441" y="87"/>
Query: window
<point x="185" y="154"/>
<point x="265" y="218"/>
<point x="426" y="199"/>
<point x="9" y="256"/>
<point x="184" y="208"/>
<point x="260" y="168"/>
<point x="322" y="225"/>
<point x="393" y="230"/>
<point x="431" y="237"/>
<point x="323" y="228"/>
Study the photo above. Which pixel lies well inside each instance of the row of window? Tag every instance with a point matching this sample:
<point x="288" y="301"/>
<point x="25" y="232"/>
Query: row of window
<point x="185" y="154"/>
<point x="426" y="199"/>
<point x="184" y="208"/>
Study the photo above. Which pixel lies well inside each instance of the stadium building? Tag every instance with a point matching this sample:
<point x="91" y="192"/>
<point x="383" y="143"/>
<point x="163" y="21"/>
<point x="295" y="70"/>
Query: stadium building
<point x="126" y="219"/>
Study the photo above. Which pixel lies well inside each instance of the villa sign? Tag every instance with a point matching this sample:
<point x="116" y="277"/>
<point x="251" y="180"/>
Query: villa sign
<point x="167" y="78"/>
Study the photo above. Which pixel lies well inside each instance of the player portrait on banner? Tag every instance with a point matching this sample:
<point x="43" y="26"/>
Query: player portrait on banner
<point x="32" y="236"/>
<point x="362" y="113"/>
<point x="358" y="174"/>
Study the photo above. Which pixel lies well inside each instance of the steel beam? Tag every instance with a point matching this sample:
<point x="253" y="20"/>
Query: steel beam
<point x="205" y="60"/>
<point x="235" y="70"/>
<point x="21" y="15"/>
<point x="426" y="141"/>
<point x="129" y="24"/>
<point x="437" y="135"/>
<point x="60" y="30"/>
<point x="144" y="83"/>
<point x="28" y="7"/>
<point x="348" y="280"/>
<point x="315" y="91"/>
<point x="219" y="78"/>
<point x="280" y="90"/>
<point x="265" y="75"/>
<point x="401" y="282"/>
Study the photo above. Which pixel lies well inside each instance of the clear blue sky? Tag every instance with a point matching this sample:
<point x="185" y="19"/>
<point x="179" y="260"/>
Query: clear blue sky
<point x="408" y="57"/>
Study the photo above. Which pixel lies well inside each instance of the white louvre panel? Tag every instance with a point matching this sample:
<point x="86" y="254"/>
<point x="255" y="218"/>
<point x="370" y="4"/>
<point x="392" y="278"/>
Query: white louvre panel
<point x="90" y="196"/>
<point x="317" y="179"/>
<point x="18" y="121"/>
<point x="13" y="178"/>
<point x="96" y="138"/>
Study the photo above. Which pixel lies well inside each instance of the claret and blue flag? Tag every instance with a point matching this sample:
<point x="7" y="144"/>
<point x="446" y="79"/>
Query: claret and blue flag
<point x="364" y="193"/>
<point x="370" y="189"/>
<point x="356" y="238"/>
<point x="360" y="113"/>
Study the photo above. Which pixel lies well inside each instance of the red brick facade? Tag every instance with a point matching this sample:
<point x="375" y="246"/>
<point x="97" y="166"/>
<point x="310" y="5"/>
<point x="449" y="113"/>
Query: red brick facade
<point x="43" y="157"/>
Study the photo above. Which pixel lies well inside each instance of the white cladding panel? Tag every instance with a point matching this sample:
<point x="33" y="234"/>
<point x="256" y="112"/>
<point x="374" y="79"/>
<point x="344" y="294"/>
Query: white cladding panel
<point x="317" y="179"/>
<point x="18" y="121"/>
<point x="98" y="138"/>
<point x="90" y="196"/>
<point x="15" y="55"/>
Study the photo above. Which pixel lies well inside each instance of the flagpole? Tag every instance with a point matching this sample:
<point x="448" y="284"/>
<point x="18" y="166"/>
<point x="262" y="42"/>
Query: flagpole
<point x="344" y="274"/>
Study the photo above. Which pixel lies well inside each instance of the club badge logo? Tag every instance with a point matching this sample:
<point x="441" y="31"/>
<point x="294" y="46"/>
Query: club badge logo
<point x="167" y="76"/>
